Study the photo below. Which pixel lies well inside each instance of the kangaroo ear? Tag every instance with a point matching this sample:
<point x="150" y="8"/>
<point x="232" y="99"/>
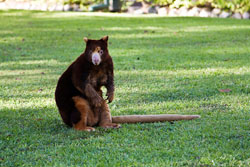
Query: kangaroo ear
<point x="85" y="39"/>
<point x="105" y="38"/>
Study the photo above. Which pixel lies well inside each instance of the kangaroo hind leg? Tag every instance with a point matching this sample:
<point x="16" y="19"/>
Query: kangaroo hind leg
<point x="84" y="109"/>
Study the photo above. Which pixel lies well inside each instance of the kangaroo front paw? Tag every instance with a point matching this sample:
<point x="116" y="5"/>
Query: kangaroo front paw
<point x="110" y="96"/>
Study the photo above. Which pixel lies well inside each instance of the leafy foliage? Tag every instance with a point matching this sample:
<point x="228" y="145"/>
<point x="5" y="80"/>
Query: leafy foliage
<point x="84" y="4"/>
<point x="232" y="5"/>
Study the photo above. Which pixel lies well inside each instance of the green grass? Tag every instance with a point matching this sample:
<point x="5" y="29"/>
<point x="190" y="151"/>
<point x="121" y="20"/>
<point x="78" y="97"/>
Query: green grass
<point x="162" y="65"/>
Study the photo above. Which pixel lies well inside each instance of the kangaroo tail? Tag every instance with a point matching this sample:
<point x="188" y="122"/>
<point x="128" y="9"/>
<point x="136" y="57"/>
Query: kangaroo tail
<point x="152" y="118"/>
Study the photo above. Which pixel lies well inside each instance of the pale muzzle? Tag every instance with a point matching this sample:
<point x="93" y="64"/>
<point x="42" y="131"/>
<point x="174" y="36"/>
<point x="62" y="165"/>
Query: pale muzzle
<point x="96" y="58"/>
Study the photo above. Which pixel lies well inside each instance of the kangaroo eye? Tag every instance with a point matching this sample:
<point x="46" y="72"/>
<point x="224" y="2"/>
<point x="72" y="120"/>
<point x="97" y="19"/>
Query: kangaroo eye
<point x="100" y="52"/>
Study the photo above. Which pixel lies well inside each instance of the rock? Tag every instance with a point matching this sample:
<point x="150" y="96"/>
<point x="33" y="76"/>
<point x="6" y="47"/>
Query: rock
<point x="236" y="15"/>
<point x="173" y="12"/>
<point x="216" y="12"/>
<point x="213" y="15"/>
<point x="205" y="12"/>
<point x="139" y="11"/>
<point x="183" y="11"/>
<point x="52" y="7"/>
<point x="152" y="9"/>
<point x="135" y="6"/>
<point x="224" y="15"/>
<point x="33" y="7"/>
<point x="148" y="9"/>
<point x="19" y="6"/>
<point x="162" y="11"/>
<point x="9" y="5"/>
<point x="246" y="15"/>
<point x="67" y="8"/>
<point x="59" y="7"/>
<point x="44" y="7"/>
<point x="145" y="6"/>
<point x="76" y="7"/>
<point x="193" y="12"/>
<point x="2" y="5"/>
<point x="26" y="6"/>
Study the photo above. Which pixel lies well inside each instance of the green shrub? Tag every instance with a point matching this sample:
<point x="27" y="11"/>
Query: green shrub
<point x="83" y="2"/>
<point x="232" y="5"/>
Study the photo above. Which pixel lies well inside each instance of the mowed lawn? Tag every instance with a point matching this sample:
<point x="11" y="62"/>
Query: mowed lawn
<point x="162" y="65"/>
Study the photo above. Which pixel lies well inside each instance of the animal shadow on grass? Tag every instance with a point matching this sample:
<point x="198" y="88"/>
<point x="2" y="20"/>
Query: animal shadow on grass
<point x="44" y="122"/>
<point x="34" y="122"/>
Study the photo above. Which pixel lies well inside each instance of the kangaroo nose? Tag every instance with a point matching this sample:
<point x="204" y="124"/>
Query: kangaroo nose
<point x="96" y="59"/>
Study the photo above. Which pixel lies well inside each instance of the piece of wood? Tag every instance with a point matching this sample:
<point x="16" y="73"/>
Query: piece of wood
<point x="151" y="118"/>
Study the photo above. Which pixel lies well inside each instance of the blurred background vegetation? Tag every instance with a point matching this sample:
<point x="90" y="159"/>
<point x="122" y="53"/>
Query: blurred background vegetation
<point x="240" y="6"/>
<point x="230" y="5"/>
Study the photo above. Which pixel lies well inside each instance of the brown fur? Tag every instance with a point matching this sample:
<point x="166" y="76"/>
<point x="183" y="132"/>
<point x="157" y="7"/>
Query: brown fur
<point x="88" y="117"/>
<point x="78" y="94"/>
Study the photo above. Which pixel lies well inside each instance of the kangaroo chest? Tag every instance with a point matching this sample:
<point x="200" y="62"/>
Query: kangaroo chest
<point x="98" y="78"/>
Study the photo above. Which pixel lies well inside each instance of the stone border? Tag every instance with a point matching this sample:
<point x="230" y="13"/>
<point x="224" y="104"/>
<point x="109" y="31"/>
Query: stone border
<point x="201" y="12"/>
<point x="142" y="8"/>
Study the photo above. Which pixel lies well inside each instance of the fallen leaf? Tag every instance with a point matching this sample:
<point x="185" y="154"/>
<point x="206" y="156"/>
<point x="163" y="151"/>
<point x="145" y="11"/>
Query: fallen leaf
<point x="225" y="90"/>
